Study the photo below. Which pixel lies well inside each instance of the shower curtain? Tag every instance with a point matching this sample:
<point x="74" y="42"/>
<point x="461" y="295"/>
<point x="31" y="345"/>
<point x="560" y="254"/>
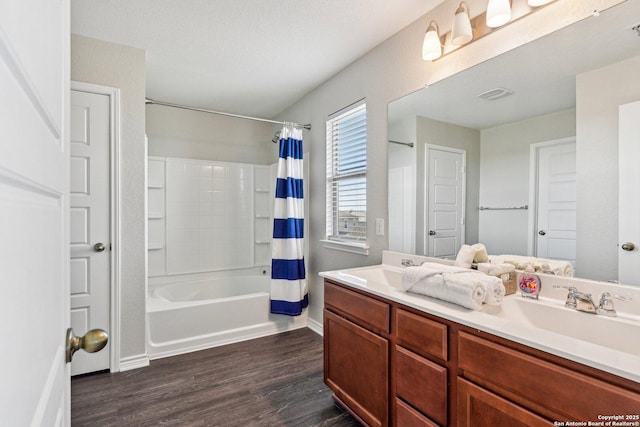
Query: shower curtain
<point x="289" y="292"/>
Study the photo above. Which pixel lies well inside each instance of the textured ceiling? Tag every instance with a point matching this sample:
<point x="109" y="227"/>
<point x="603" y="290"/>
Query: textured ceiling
<point x="253" y="57"/>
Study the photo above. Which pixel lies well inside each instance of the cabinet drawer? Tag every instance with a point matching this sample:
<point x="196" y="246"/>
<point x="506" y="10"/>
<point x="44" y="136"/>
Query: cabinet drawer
<point x="406" y="416"/>
<point x="362" y="310"/>
<point x="424" y="336"/>
<point x="477" y="406"/>
<point x="422" y="384"/>
<point x="565" y="392"/>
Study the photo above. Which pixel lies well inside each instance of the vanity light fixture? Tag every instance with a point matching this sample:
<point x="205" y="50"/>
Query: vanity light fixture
<point x="431" y="47"/>
<point x="466" y="29"/>
<point x="461" y="32"/>
<point x="498" y="13"/>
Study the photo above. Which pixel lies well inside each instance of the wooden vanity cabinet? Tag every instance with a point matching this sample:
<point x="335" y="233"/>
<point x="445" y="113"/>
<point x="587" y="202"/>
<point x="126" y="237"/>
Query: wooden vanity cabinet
<point x="393" y="365"/>
<point x="356" y="353"/>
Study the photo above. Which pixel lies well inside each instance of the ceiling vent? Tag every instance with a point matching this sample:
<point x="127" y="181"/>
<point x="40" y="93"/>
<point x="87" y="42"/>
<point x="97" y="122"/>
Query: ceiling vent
<point x="493" y="94"/>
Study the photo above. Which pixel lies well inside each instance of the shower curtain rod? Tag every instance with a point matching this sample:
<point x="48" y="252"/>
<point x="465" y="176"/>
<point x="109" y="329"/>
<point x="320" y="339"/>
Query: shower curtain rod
<point x="408" y="144"/>
<point x="238" y="116"/>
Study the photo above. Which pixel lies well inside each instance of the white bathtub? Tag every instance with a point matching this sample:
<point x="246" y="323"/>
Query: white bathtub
<point x="194" y="313"/>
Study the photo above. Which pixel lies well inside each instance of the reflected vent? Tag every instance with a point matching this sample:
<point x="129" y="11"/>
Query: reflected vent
<point x="493" y="94"/>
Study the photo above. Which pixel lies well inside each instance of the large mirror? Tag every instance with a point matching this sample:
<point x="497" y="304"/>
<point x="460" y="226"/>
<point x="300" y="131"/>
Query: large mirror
<point x="529" y="167"/>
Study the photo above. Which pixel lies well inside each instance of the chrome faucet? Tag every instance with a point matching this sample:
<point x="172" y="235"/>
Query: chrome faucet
<point x="581" y="301"/>
<point x="578" y="300"/>
<point x="408" y="263"/>
<point x="606" y="304"/>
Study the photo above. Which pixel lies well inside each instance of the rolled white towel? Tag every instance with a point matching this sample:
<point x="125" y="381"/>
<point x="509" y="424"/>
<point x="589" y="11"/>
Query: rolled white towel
<point x="495" y="290"/>
<point x="447" y="287"/>
<point x="411" y="275"/>
<point x="481" y="253"/>
<point x="465" y="256"/>
<point x="496" y="269"/>
<point x="444" y="268"/>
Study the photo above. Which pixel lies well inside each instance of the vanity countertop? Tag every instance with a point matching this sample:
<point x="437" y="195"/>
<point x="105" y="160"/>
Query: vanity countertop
<point x="609" y="344"/>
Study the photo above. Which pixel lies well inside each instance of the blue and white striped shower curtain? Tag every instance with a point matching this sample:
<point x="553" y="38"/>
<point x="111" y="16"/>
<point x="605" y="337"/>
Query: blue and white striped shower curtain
<point x="289" y="292"/>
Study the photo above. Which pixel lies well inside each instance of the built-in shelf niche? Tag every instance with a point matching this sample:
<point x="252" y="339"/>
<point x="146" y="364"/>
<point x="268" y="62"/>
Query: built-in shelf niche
<point x="156" y="214"/>
<point x="264" y="178"/>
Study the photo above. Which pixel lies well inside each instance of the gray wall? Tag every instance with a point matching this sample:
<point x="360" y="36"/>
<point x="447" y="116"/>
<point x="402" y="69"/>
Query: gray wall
<point x="599" y="93"/>
<point x="174" y="132"/>
<point x="108" y="64"/>
<point x="389" y="71"/>
<point x="504" y="177"/>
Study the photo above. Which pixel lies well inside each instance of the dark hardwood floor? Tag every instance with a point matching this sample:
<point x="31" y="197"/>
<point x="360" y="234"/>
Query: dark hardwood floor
<point x="271" y="381"/>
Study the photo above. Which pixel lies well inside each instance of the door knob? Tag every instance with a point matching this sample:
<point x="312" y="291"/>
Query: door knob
<point x="542" y="232"/>
<point x="432" y="233"/>
<point x="99" y="247"/>
<point x="94" y="340"/>
<point x="628" y="246"/>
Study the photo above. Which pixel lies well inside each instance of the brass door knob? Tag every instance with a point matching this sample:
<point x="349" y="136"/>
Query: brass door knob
<point x="628" y="246"/>
<point x="94" y="340"/>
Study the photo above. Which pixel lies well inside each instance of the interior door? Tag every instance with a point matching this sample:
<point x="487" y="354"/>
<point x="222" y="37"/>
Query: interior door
<point x="89" y="221"/>
<point x="34" y="200"/>
<point x="629" y="194"/>
<point x="445" y="201"/>
<point x="556" y="216"/>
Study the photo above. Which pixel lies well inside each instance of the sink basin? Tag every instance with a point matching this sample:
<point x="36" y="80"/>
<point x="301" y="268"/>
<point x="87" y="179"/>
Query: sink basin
<point x="380" y="274"/>
<point x="616" y="333"/>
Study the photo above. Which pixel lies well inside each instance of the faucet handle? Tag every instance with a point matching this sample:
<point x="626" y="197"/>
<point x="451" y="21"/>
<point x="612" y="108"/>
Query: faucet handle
<point x="571" y="295"/>
<point x="606" y="303"/>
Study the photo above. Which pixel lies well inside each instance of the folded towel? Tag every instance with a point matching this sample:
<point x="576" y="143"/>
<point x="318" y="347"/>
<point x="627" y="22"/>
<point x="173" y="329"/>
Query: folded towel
<point x="448" y="287"/>
<point x="533" y="264"/>
<point x="465" y="256"/>
<point x="411" y="275"/>
<point x="496" y="269"/>
<point x="481" y="253"/>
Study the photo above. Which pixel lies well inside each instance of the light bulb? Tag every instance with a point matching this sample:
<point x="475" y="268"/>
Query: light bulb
<point x="461" y="32"/>
<point x="498" y="13"/>
<point x="431" y="48"/>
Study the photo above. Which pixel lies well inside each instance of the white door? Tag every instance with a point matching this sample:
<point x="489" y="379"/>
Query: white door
<point x="89" y="221"/>
<point x="34" y="202"/>
<point x="445" y="201"/>
<point x="629" y="194"/>
<point x="556" y="215"/>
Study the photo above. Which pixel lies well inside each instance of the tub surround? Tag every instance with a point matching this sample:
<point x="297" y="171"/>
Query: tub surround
<point x="429" y="361"/>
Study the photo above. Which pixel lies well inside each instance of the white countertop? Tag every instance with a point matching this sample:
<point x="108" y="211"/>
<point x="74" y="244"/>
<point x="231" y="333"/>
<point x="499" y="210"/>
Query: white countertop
<point x="624" y="363"/>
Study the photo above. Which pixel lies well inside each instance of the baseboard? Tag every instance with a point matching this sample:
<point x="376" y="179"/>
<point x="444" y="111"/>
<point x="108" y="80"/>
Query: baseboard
<point x="134" y="362"/>
<point x="315" y="326"/>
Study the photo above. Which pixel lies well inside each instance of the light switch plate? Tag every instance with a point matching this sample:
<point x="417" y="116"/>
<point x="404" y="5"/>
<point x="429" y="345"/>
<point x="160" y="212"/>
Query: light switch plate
<point x="380" y="226"/>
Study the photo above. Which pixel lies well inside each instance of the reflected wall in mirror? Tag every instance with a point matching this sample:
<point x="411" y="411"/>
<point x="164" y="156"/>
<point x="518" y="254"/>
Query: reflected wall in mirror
<point x="545" y="156"/>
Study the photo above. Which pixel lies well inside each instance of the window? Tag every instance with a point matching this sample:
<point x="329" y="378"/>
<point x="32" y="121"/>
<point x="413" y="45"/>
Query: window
<point x="347" y="175"/>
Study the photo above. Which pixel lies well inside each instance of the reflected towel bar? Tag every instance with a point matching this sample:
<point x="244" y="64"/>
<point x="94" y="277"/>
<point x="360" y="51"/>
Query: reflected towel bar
<point x="486" y="208"/>
<point x="408" y="144"/>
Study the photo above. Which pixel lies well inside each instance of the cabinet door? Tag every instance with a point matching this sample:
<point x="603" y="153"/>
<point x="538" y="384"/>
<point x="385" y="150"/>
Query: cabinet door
<point x="478" y="407"/>
<point x="356" y="368"/>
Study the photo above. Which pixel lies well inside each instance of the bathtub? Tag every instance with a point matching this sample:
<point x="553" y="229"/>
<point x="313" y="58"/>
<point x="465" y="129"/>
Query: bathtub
<point x="194" y="312"/>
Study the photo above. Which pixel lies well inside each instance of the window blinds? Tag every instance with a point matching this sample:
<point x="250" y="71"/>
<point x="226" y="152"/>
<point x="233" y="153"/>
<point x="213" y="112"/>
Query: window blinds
<point x="346" y="174"/>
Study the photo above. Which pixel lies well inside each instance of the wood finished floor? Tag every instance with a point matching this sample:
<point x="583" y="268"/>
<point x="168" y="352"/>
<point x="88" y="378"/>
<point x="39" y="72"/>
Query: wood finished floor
<point x="271" y="381"/>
